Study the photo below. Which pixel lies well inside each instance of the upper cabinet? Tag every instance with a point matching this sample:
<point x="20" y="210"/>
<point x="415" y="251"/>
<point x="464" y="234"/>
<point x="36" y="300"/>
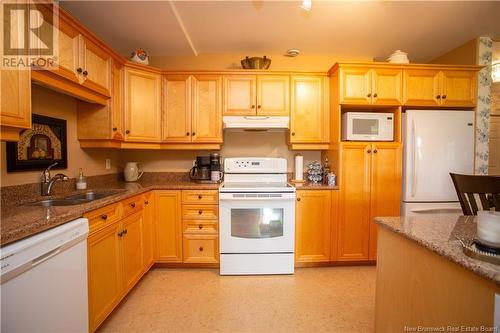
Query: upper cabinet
<point x="142" y="105"/>
<point x="364" y="85"/>
<point x="192" y="108"/>
<point x="94" y="67"/>
<point x="433" y="87"/>
<point x="309" y="116"/>
<point x="256" y="95"/>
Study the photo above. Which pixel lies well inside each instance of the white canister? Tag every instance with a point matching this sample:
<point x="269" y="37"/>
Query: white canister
<point x="132" y="172"/>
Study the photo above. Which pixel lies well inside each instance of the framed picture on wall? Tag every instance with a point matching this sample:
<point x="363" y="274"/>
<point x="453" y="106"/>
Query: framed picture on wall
<point x="40" y="146"/>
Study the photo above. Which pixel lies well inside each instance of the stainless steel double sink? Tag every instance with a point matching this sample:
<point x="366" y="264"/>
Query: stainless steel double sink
<point x="76" y="199"/>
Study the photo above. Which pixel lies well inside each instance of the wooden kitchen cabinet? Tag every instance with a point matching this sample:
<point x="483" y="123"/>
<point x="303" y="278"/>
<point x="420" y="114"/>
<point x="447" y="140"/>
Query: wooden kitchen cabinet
<point x="96" y="65"/>
<point x="148" y="230"/>
<point x="433" y="87"/>
<point x="142" y="105"/>
<point x="369" y="186"/>
<point x="256" y="95"/>
<point x="309" y="116"/>
<point x="15" y="103"/>
<point x="104" y="273"/>
<point x="168" y="226"/>
<point x="200" y="248"/>
<point x="365" y="86"/>
<point x="385" y="187"/>
<point x="313" y="225"/>
<point x="192" y="108"/>
<point x="132" y="247"/>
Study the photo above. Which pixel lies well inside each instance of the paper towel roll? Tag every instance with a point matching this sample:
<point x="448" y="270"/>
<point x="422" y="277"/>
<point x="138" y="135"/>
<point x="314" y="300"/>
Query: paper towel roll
<point x="299" y="167"/>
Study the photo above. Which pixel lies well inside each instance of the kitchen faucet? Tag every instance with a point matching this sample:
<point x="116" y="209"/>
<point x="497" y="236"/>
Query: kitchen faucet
<point x="47" y="182"/>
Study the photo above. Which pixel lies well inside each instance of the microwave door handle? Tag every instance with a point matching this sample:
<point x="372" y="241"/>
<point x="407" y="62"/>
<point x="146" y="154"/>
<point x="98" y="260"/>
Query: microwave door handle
<point x="414" y="169"/>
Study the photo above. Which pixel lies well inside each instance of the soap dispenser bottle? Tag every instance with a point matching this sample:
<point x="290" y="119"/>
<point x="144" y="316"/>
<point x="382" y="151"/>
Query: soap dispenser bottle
<point x="81" y="182"/>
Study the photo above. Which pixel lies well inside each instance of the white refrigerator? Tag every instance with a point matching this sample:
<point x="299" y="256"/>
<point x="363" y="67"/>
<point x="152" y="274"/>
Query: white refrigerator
<point x="436" y="142"/>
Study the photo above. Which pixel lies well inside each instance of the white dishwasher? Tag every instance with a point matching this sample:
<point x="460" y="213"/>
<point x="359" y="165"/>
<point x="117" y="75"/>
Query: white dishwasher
<point x="44" y="281"/>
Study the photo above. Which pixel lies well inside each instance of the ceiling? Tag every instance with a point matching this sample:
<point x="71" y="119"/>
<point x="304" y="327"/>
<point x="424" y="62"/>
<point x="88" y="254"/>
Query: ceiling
<point x="370" y="29"/>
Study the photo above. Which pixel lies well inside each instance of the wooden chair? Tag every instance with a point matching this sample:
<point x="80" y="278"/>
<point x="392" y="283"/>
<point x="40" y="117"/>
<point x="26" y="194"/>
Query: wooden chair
<point x="468" y="188"/>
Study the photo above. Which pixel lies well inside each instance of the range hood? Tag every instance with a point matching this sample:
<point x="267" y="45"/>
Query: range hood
<point x="256" y="122"/>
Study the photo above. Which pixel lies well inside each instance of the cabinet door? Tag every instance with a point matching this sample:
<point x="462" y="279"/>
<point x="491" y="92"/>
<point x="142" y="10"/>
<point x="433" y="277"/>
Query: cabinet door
<point x="385" y="193"/>
<point x="458" y="88"/>
<point x="273" y="95"/>
<point x="202" y="249"/>
<point x="142" y="106"/>
<point x="68" y="58"/>
<point x="354" y="214"/>
<point x="148" y="230"/>
<point x="387" y="86"/>
<point x="168" y="226"/>
<point x="207" y="109"/>
<point x="312" y="225"/>
<point x="104" y="273"/>
<point x="97" y="66"/>
<point x="309" y="116"/>
<point x="421" y="87"/>
<point x="355" y="86"/>
<point x="117" y="103"/>
<point x="177" y="108"/>
<point x="133" y="252"/>
<point x="15" y="102"/>
<point x="239" y="95"/>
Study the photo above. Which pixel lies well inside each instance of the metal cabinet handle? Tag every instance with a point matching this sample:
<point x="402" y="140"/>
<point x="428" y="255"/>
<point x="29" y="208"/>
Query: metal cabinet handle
<point x="438" y="96"/>
<point x="115" y="129"/>
<point x="201" y="248"/>
<point x="79" y="70"/>
<point x="369" y="151"/>
<point x="443" y="97"/>
<point x="200" y="196"/>
<point x="200" y="226"/>
<point x="104" y="217"/>
<point x="85" y="73"/>
<point x="120" y="234"/>
<point x="187" y="133"/>
<point x="200" y="212"/>
<point x="298" y="199"/>
<point x="375" y="151"/>
<point x="127" y="132"/>
<point x="253" y="106"/>
<point x="369" y="95"/>
<point x="125" y="231"/>
<point x="258" y="106"/>
<point x="293" y="133"/>
<point x="375" y="95"/>
<point x="132" y="205"/>
<point x="193" y="134"/>
<point x="146" y="202"/>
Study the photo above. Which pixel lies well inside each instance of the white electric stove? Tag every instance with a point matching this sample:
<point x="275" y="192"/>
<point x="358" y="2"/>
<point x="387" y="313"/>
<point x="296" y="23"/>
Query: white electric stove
<point x="256" y="217"/>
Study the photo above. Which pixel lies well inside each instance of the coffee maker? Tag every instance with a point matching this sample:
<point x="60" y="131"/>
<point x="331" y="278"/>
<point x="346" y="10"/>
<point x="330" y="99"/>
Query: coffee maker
<point x="200" y="172"/>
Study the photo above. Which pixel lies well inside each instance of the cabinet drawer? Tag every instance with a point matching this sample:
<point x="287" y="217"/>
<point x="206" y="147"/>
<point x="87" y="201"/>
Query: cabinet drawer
<point x="200" y="197"/>
<point x="200" y="226"/>
<point x="132" y="205"/>
<point x="200" y="212"/>
<point x="104" y="216"/>
<point x="201" y="248"/>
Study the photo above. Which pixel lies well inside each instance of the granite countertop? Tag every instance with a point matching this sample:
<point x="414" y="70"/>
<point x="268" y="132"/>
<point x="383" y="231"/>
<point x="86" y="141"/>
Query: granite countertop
<point x="438" y="233"/>
<point x="19" y="219"/>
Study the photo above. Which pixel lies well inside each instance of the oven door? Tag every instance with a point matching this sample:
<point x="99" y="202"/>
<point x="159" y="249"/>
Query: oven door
<point x="256" y="222"/>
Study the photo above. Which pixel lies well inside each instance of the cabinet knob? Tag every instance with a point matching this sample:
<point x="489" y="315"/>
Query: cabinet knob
<point x="375" y="95"/>
<point x="293" y="133"/>
<point x="115" y="129"/>
<point x="193" y="134"/>
<point x="125" y="231"/>
<point x="253" y="106"/>
<point x="443" y="97"/>
<point x="79" y="70"/>
<point x="120" y="234"/>
<point x="200" y="226"/>
<point x="200" y="212"/>
<point x="132" y="205"/>
<point x="201" y="249"/>
<point x="200" y="196"/>
<point x="298" y="199"/>
<point x="127" y="132"/>
<point x="369" y="95"/>
<point x="85" y="73"/>
<point x="258" y="106"/>
<point x="375" y="151"/>
<point x="369" y="151"/>
<point x="146" y="202"/>
<point x="438" y="96"/>
<point x="187" y="133"/>
<point x="104" y="217"/>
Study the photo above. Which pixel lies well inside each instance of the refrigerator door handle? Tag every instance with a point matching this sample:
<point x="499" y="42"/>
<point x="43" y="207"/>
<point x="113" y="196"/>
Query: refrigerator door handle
<point x="414" y="170"/>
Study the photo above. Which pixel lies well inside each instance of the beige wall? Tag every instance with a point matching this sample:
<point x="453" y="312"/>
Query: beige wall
<point x="313" y="63"/>
<point x="465" y="54"/>
<point x="50" y="103"/>
<point x="236" y="144"/>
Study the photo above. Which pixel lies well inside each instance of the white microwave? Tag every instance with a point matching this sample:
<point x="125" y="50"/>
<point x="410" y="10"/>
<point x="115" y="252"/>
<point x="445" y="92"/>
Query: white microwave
<point x="367" y="126"/>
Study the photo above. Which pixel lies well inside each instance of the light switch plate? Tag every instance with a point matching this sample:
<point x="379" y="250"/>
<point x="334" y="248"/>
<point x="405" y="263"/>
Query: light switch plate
<point x="108" y="163"/>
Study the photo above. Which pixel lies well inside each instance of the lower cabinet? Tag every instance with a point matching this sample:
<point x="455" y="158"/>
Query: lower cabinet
<point x="168" y="226"/>
<point x="201" y="249"/>
<point x="148" y="230"/>
<point x="119" y="253"/>
<point x="313" y="225"/>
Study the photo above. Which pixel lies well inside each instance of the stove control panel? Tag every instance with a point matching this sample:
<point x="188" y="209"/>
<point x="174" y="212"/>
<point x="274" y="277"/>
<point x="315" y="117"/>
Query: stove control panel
<point x="255" y="165"/>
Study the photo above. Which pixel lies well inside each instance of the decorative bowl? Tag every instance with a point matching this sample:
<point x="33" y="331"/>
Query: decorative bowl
<point x="256" y="63"/>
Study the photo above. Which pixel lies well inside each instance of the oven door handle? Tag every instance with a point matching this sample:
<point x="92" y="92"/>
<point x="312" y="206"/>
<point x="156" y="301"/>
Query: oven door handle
<point x="284" y="198"/>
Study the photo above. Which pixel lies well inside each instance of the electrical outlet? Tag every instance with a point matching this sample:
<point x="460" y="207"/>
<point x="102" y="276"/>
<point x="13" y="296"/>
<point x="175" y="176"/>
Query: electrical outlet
<point x="108" y="163"/>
